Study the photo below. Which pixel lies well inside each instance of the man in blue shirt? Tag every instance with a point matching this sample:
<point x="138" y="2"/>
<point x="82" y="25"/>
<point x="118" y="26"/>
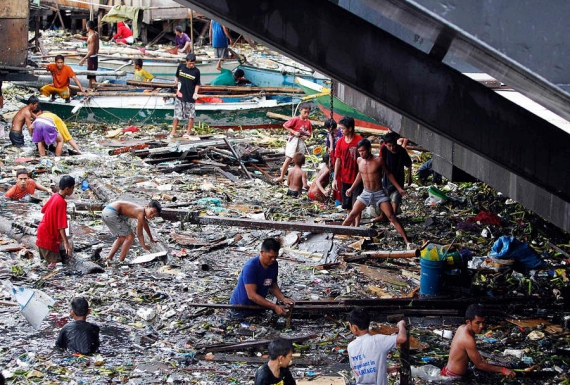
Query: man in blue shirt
<point x="257" y="278"/>
<point x="219" y="36"/>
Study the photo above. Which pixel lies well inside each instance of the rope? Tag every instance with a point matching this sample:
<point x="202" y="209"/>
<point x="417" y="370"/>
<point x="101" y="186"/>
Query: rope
<point x="332" y="98"/>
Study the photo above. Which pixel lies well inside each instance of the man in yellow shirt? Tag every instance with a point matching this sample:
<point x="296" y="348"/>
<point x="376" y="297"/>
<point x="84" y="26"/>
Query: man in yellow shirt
<point x="61" y="127"/>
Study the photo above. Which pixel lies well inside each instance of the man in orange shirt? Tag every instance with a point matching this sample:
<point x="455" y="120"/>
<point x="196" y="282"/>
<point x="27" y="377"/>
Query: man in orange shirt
<point x="24" y="186"/>
<point x="61" y="74"/>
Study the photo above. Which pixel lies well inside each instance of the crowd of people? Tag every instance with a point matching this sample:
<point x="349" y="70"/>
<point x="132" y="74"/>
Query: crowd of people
<point x="357" y="178"/>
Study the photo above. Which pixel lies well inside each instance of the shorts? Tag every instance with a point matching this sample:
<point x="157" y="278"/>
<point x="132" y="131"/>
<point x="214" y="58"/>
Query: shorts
<point x="221" y="52"/>
<point x="44" y="131"/>
<point x="184" y="110"/>
<point x="316" y="195"/>
<point x="49" y="89"/>
<point x="348" y="202"/>
<point x="395" y="196"/>
<point x="118" y="224"/>
<point x="295" y="145"/>
<point x="49" y="256"/>
<point x="448" y="373"/>
<point x="373" y="198"/>
<point x="92" y="65"/>
<point x="17" y="138"/>
<point x="292" y="193"/>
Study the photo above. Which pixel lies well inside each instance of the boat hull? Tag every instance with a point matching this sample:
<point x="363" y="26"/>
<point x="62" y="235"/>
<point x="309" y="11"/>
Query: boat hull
<point x="158" y="110"/>
<point x="275" y="78"/>
<point x="163" y="69"/>
<point x="340" y="109"/>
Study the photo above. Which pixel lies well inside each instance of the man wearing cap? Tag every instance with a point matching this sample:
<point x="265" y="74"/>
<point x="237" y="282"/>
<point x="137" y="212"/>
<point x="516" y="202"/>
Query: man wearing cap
<point x="188" y="84"/>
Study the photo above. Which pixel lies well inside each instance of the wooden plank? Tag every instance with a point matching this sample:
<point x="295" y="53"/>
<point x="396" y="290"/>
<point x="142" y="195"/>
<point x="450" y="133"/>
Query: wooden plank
<point x="195" y="217"/>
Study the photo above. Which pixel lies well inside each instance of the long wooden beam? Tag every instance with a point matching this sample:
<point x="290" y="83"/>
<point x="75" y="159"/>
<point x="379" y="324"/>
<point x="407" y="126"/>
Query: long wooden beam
<point x="195" y="218"/>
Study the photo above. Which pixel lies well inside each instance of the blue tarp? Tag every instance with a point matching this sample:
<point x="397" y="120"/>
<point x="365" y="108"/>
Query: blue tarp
<point x="511" y="248"/>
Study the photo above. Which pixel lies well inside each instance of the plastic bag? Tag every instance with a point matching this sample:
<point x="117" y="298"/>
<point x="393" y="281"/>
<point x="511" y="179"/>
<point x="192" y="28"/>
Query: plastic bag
<point x="511" y="248"/>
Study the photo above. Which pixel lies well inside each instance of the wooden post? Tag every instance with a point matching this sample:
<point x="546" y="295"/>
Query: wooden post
<point x="192" y="30"/>
<point x="405" y="370"/>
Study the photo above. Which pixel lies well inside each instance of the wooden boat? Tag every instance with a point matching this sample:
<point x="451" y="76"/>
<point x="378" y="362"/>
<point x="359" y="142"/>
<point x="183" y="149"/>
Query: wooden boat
<point x="164" y="68"/>
<point x="285" y="77"/>
<point x="154" y="108"/>
<point x="322" y="96"/>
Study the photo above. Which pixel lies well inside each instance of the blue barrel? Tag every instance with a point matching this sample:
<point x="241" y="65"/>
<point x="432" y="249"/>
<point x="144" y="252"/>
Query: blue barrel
<point x="431" y="275"/>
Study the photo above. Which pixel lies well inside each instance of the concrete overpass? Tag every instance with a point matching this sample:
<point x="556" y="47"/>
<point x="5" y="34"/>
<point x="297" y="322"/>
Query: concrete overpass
<point x="401" y="62"/>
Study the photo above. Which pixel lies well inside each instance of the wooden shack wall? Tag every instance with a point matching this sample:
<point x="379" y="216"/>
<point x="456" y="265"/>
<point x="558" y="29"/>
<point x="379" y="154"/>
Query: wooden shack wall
<point x="159" y="9"/>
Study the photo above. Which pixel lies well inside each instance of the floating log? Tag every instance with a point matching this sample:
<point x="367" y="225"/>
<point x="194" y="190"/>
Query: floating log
<point x="250" y="344"/>
<point x="391" y="254"/>
<point x="101" y="191"/>
<point x="194" y="217"/>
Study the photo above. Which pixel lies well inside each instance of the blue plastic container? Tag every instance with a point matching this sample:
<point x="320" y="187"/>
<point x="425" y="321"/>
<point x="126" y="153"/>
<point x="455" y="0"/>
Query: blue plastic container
<point x="431" y="275"/>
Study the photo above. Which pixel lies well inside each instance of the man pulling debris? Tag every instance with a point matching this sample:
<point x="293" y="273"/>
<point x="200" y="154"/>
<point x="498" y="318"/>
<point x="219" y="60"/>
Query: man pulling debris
<point x="259" y="276"/>
<point x="24" y="186"/>
<point x="370" y="168"/>
<point x="115" y="215"/>
<point x="463" y="348"/>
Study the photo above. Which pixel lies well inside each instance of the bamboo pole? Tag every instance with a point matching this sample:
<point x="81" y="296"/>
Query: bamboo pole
<point x="392" y="254"/>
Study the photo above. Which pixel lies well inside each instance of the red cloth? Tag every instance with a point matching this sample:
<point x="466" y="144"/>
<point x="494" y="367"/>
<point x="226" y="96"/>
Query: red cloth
<point x="17" y="193"/>
<point x="122" y="31"/>
<point x="347" y="154"/>
<point x="55" y="218"/>
<point x="131" y="129"/>
<point x="298" y="125"/>
<point x="315" y="193"/>
<point x="486" y="218"/>
<point x="60" y="77"/>
<point x="448" y="373"/>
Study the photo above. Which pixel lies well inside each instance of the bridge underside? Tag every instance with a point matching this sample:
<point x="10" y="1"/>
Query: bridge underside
<point x="464" y="123"/>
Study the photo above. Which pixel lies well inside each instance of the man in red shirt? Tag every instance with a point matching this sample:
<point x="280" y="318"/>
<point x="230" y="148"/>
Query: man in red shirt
<point x="345" y="166"/>
<point x="24" y="186"/>
<point x="61" y="74"/>
<point x="51" y="230"/>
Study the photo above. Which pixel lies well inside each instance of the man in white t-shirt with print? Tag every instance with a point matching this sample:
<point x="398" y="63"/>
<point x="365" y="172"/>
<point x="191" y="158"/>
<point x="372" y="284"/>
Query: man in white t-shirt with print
<point x="368" y="353"/>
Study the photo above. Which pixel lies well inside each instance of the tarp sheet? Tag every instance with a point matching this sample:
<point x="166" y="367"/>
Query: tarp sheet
<point x="123" y="13"/>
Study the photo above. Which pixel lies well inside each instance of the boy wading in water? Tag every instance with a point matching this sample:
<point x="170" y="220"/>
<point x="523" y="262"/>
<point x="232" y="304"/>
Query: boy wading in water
<point x="463" y="348"/>
<point x="116" y="215"/>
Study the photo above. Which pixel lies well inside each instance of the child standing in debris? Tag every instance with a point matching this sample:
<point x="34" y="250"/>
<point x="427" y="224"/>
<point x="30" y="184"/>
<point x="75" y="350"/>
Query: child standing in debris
<point x="300" y="129"/>
<point x="51" y="230"/>
<point x="115" y="215"/>
<point x="318" y="190"/>
<point x="276" y="371"/>
<point x="463" y="348"/>
<point x="79" y="336"/>
<point x="24" y="186"/>
<point x="297" y="178"/>
<point x="368" y="353"/>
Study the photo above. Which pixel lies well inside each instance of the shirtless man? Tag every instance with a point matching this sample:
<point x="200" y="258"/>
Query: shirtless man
<point x="463" y="348"/>
<point x="370" y="168"/>
<point x="92" y="51"/>
<point x="24" y="116"/>
<point x="115" y="215"/>
<point x="297" y="178"/>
